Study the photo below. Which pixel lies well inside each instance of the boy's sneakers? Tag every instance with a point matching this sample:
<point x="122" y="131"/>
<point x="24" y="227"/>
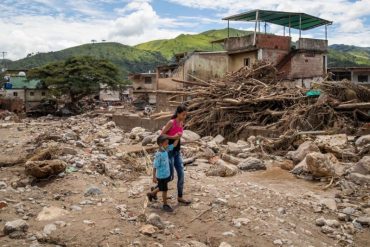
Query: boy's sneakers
<point x="150" y="196"/>
<point x="167" y="208"/>
<point x="154" y="197"/>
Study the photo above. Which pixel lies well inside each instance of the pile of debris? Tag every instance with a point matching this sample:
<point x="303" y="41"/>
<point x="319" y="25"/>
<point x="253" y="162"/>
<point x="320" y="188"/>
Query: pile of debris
<point x="256" y="97"/>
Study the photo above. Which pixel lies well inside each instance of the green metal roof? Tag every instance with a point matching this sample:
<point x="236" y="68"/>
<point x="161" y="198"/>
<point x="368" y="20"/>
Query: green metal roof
<point x="20" y="82"/>
<point x="300" y="21"/>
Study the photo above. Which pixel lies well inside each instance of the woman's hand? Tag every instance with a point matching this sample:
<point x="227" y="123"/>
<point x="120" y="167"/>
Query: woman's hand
<point x="155" y="180"/>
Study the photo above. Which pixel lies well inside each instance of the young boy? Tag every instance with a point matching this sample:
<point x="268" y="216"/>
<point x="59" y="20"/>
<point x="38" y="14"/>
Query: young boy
<point x="161" y="171"/>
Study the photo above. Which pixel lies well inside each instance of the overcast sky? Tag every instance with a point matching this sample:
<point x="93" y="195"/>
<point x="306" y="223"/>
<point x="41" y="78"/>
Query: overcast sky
<point x="28" y="26"/>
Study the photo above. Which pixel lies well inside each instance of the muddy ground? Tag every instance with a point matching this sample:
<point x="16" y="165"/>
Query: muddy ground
<point x="262" y="208"/>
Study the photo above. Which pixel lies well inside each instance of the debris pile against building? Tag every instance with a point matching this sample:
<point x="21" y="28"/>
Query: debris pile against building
<point x="255" y="97"/>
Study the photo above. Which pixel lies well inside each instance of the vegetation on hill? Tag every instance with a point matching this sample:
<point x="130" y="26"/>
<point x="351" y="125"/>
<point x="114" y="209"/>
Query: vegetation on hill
<point x="346" y="56"/>
<point x="126" y="58"/>
<point x="147" y="56"/>
<point x="189" y="42"/>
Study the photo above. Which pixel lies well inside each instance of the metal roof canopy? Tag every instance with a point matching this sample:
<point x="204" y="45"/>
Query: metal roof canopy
<point x="300" y="21"/>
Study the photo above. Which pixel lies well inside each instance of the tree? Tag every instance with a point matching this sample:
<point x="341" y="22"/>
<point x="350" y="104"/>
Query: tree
<point x="78" y="77"/>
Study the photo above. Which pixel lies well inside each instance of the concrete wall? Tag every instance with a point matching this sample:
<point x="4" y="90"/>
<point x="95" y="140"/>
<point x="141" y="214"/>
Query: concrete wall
<point x="268" y="41"/>
<point x="9" y="93"/>
<point x="206" y="65"/>
<point x="312" y="44"/>
<point x="140" y="83"/>
<point x="306" y="65"/>
<point x="109" y="95"/>
<point x="273" y="56"/>
<point x="36" y="95"/>
<point x="128" y="122"/>
<point x="236" y="61"/>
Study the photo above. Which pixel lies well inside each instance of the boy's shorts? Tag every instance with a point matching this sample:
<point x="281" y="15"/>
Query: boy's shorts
<point x="163" y="183"/>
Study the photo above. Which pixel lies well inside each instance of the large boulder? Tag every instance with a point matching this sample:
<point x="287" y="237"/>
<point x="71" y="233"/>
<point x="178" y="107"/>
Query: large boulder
<point x="363" y="166"/>
<point x="363" y="141"/>
<point x="251" y="164"/>
<point x="189" y="136"/>
<point x="359" y="178"/>
<point x="305" y="148"/>
<point x="323" y="165"/>
<point x="222" y="169"/>
<point x="301" y="168"/>
<point x="16" y="228"/>
<point x="45" y="169"/>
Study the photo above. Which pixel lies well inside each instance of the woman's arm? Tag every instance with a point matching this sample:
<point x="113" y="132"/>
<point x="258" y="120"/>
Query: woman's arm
<point x="166" y="128"/>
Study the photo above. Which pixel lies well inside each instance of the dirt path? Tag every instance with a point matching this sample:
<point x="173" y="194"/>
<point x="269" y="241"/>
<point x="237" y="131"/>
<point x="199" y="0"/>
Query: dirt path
<point x="265" y="208"/>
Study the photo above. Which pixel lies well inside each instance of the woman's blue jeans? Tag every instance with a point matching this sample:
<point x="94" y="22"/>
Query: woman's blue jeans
<point x="177" y="164"/>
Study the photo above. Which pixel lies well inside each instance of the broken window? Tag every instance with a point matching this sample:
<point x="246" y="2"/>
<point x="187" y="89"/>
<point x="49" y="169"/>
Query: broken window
<point x="363" y="78"/>
<point x="15" y="94"/>
<point x="246" y="61"/>
<point x="148" y="80"/>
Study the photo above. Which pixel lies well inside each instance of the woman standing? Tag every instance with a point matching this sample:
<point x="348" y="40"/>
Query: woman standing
<point x="173" y="129"/>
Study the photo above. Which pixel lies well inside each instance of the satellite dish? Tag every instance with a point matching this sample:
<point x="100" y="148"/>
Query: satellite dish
<point x="22" y="73"/>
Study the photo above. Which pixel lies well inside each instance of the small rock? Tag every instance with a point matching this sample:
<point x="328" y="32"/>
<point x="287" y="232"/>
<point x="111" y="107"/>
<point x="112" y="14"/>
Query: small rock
<point x="285" y="164"/>
<point x="348" y="210"/>
<point x="89" y="222"/>
<point x="3" y="204"/>
<point x="252" y="164"/>
<point x="80" y="144"/>
<point x="363" y="140"/>
<point x="221" y="201"/>
<point x="320" y="221"/>
<point x="15" y="226"/>
<point x="148" y="229"/>
<point x="189" y="136"/>
<point x="363" y="166"/>
<point x="93" y="191"/>
<point x="3" y="185"/>
<point x="155" y="220"/>
<point x="224" y="244"/>
<point x="281" y="211"/>
<point x="323" y="165"/>
<point x="363" y="220"/>
<point x="329" y="203"/>
<point x="218" y="139"/>
<point x="304" y="149"/>
<point x="327" y="229"/>
<point x="196" y="244"/>
<point x="75" y="208"/>
<point x="332" y="223"/>
<point x="278" y="242"/>
<point x="49" y="228"/>
<point x="222" y="169"/>
<point x="229" y="234"/>
<point x="240" y="222"/>
<point x="359" y="178"/>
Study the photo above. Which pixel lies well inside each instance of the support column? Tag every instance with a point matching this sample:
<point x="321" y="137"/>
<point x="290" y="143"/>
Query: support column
<point x="326" y="32"/>
<point x="300" y="26"/>
<point x="289" y="27"/>
<point x="228" y="28"/>
<point x="265" y="27"/>
<point x="255" y="29"/>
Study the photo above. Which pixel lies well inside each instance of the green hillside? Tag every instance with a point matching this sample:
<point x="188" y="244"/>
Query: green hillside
<point x="346" y="56"/>
<point x="127" y="58"/>
<point x="189" y="42"/>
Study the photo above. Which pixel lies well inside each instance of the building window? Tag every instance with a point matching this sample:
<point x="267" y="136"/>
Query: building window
<point x="363" y="78"/>
<point x="43" y="93"/>
<point x="15" y="94"/>
<point x="246" y="61"/>
<point x="148" y="80"/>
<point x="32" y="93"/>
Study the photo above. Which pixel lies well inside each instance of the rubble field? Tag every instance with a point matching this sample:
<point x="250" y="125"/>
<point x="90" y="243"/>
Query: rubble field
<point x="82" y="181"/>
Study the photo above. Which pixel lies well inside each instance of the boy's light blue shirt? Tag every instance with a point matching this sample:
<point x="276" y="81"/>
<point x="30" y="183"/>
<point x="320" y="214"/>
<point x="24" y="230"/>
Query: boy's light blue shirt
<point x="162" y="163"/>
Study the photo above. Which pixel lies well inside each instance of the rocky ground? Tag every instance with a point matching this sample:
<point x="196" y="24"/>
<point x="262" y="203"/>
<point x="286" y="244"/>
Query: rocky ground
<point x="82" y="181"/>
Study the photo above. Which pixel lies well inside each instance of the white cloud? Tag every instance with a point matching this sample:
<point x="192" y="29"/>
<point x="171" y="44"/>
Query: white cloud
<point x="138" y="22"/>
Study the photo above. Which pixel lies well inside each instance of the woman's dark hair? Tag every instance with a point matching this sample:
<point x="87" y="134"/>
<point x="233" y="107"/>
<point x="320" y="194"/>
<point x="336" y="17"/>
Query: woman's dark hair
<point x="179" y="109"/>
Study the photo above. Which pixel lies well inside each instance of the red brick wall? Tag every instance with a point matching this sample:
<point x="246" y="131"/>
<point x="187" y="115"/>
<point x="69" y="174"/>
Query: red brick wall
<point x="273" y="42"/>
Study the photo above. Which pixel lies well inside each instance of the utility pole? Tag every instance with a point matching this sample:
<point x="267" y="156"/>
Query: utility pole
<point x="3" y="53"/>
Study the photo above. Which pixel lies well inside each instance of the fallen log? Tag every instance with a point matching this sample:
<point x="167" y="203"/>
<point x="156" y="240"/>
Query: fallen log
<point x="352" y="106"/>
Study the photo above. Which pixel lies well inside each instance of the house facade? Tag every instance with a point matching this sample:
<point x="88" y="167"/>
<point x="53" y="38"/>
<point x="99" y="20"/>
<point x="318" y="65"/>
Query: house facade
<point x="358" y="75"/>
<point x="30" y="92"/>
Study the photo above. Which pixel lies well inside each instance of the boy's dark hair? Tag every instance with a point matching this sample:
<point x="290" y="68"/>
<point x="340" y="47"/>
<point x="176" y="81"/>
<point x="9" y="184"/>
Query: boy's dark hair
<point x="179" y="109"/>
<point x="161" y="139"/>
